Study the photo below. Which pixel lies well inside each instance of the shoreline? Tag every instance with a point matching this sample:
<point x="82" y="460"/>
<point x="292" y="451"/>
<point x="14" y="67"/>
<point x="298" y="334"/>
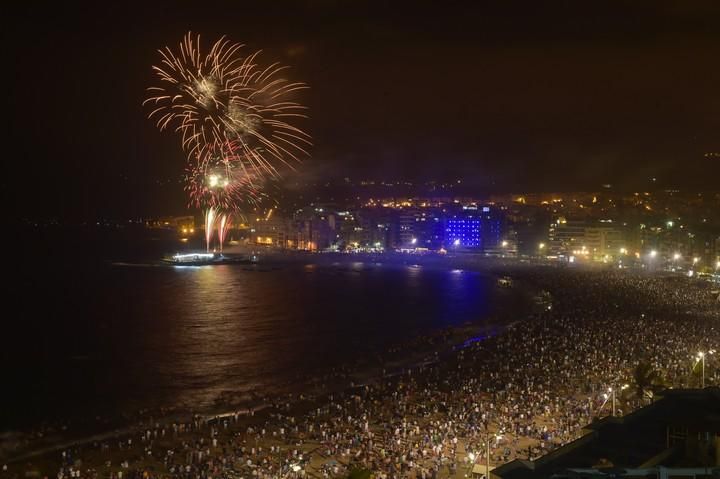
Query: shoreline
<point x="530" y="384"/>
<point x="463" y="337"/>
<point x="405" y="356"/>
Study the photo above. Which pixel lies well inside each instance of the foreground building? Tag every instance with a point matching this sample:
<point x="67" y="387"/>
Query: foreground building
<point x="676" y="436"/>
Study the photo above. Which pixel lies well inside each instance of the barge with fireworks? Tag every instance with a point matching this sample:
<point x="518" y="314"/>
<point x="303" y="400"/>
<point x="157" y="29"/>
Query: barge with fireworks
<point x="204" y="259"/>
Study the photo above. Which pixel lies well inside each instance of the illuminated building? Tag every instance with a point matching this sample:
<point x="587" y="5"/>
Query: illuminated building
<point x="603" y="242"/>
<point x="406" y="228"/>
<point x="430" y="229"/>
<point x="473" y="229"/>
<point x="565" y="237"/>
<point x="314" y="228"/>
<point x="599" y="241"/>
<point x="183" y="224"/>
<point x="464" y="232"/>
<point x="272" y="231"/>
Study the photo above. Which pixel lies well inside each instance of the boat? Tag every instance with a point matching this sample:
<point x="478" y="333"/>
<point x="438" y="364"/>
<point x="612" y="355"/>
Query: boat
<point x="205" y="259"/>
<point x="505" y="282"/>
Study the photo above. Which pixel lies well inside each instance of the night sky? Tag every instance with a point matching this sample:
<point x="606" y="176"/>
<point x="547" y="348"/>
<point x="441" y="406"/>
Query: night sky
<point x="510" y="96"/>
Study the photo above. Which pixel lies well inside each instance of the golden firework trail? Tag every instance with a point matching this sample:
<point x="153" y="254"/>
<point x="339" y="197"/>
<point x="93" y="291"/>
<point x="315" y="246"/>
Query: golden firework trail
<point x="224" y="99"/>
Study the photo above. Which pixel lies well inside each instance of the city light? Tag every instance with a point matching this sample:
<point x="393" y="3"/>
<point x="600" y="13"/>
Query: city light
<point x="487" y="464"/>
<point x="670" y="224"/>
<point x="701" y="358"/>
<point x="193" y="255"/>
<point x="189" y="258"/>
<point x="611" y="393"/>
<point x="582" y="251"/>
<point x="473" y="231"/>
<point x="468" y="232"/>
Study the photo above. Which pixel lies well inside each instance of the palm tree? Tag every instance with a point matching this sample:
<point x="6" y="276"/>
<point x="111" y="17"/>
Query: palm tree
<point x="648" y="381"/>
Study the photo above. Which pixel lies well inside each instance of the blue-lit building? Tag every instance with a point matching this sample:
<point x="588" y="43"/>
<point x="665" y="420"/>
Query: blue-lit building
<point x="464" y="231"/>
<point x="474" y="229"/>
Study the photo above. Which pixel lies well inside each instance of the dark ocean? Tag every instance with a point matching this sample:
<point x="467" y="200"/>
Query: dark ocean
<point x="94" y="325"/>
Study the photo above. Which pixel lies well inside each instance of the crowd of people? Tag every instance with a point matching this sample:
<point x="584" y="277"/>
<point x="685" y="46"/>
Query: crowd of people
<point x="519" y="394"/>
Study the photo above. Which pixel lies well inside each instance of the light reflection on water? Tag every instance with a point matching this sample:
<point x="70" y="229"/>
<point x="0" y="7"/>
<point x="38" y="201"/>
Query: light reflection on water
<point x="187" y="336"/>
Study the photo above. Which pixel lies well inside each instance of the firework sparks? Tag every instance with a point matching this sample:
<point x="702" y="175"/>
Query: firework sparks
<point x="225" y="186"/>
<point x="210" y="219"/>
<point x="223" y="227"/>
<point x="235" y="120"/>
<point x="224" y="98"/>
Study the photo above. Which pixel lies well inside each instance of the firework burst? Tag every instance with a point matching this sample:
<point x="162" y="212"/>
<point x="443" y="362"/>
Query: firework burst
<point x="224" y="99"/>
<point x="235" y="118"/>
<point x="225" y="186"/>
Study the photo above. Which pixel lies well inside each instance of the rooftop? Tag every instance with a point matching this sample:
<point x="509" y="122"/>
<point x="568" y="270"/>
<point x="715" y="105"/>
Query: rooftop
<point x="670" y="432"/>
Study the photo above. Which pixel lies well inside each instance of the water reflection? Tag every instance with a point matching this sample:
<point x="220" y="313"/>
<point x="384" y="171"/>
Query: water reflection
<point x="190" y="335"/>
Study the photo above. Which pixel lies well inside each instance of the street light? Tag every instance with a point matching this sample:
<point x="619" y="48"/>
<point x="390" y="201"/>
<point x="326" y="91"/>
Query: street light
<point x="293" y="468"/>
<point x="696" y="260"/>
<point x="612" y="391"/>
<point x="701" y="357"/>
<point x="651" y="259"/>
<point x="471" y="456"/>
<point x="676" y="257"/>
<point x="487" y="465"/>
